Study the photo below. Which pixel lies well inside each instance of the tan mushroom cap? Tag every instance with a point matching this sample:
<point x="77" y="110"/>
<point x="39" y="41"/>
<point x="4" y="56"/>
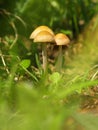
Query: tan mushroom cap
<point x="61" y="39"/>
<point x="44" y="37"/>
<point x="39" y="29"/>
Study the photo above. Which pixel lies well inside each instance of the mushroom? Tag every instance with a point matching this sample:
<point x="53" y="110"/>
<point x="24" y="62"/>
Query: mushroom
<point x="39" y="29"/>
<point x="60" y="39"/>
<point x="43" y="36"/>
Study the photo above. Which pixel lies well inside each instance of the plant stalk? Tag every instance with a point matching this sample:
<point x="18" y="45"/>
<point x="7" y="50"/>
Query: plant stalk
<point x="44" y="56"/>
<point x="59" y="60"/>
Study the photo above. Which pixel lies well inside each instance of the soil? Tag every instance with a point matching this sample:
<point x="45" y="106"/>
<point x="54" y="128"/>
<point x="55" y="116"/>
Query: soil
<point x="90" y="101"/>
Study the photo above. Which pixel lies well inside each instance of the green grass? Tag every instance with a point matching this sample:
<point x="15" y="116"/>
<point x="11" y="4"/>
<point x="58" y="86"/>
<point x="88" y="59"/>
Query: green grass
<point x="52" y="102"/>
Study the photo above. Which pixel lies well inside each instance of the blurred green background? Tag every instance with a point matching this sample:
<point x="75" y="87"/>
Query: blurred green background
<point x="58" y="14"/>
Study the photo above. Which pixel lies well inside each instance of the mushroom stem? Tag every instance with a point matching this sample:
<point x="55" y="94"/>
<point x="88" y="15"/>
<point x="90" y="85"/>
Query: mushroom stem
<point x="59" y="60"/>
<point x="44" y="56"/>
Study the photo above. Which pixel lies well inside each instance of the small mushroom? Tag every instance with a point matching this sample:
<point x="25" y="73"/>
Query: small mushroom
<point x="44" y="37"/>
<point x="60" y="39"/>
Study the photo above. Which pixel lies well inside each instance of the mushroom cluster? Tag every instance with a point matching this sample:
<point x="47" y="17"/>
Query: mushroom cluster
<point x="44" y="34"/>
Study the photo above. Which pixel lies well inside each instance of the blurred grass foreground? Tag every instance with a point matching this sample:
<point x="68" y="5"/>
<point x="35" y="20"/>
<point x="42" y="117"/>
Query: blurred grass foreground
<point x="31" y="100"/>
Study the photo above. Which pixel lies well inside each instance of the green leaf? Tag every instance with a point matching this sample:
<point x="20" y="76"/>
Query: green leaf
<point x="55" y="77"/>
<point x="25" y="63"/>
<point x="66" y="32"/>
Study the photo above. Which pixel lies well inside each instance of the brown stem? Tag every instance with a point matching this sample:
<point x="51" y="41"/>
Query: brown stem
<point x="59" y="60"/>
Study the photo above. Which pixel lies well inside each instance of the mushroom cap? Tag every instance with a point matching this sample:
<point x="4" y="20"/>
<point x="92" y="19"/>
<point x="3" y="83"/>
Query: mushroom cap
<point x="39" y="29"/>
<point x="61" y="39"/>
<point x="44" y="37"/>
